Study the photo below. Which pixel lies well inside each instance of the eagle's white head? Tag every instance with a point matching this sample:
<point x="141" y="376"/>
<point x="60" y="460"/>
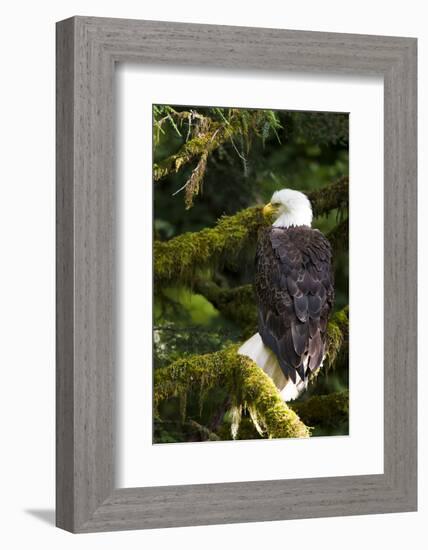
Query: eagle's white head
<point x="289" y="207"/>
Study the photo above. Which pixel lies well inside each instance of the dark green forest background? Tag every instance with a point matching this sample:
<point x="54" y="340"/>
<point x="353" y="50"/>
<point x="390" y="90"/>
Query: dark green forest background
<point x="213" y="170"/>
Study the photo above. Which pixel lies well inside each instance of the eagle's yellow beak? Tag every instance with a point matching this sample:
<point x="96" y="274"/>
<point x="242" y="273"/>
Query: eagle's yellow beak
<point x="269" y="209"/>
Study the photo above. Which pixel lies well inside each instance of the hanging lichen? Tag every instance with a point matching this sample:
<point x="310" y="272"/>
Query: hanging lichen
<point x="235" y="413"/>
<point x="194" y="183"/>
<point x="205" y="134"/>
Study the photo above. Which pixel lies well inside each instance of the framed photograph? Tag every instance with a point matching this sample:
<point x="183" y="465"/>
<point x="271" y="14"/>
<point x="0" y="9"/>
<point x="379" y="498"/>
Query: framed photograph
<point x="236" y="274"/>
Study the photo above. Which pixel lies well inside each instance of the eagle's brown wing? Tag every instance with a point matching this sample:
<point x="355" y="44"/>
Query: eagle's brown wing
<point x="294" y="288"/>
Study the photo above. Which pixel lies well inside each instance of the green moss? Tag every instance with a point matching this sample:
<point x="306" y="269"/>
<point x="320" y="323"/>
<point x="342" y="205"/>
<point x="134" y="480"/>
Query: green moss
<point x="249" y="387"/>
<point x="204" y="143"/>
<point x="179" y="259"/>
<point x="325" y="411"/>
<point x="337" y="335"/>
<point x="251" y="391"/>
<point x="215" y="134"/>
<point x="212" y="134"/>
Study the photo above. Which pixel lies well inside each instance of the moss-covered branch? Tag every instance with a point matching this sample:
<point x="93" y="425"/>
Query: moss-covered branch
<point x="330" y="197"/>
<point x="248" y="386"/>
<point x="204" y="143"/>
<point x="337" y="335"/>
<point x="179" y="259"/>
<point x="238" y="304"/>
<point x="209" y="134"/>
<point x="326" y="411"/>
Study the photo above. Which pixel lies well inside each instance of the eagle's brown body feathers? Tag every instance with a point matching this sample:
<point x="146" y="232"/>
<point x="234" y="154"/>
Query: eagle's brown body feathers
<point x="294" y="288"/>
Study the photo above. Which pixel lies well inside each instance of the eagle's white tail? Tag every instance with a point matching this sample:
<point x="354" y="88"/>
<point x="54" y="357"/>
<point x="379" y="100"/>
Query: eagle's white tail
<point x="255" y="349"/>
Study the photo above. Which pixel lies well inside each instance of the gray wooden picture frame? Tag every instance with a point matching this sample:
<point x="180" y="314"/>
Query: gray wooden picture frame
<point x="87" y="50"/>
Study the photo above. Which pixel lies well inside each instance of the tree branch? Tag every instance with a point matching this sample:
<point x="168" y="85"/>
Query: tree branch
<point x="179" y="259"/>
<point x="212" y="134"/>
<point x="248" y="386"/>
<point x="238" y="305"/>
<point x="326" y="411"/>
<point x="330" y="197"/>
<point x="203" y="144"/>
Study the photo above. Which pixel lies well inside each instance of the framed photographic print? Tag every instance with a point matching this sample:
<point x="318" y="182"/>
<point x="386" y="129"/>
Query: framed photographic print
<point x="236" y="274"/>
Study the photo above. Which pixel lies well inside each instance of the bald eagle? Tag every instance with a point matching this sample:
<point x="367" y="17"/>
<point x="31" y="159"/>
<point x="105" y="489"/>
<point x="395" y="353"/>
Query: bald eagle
<point x="295" y="294"/>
